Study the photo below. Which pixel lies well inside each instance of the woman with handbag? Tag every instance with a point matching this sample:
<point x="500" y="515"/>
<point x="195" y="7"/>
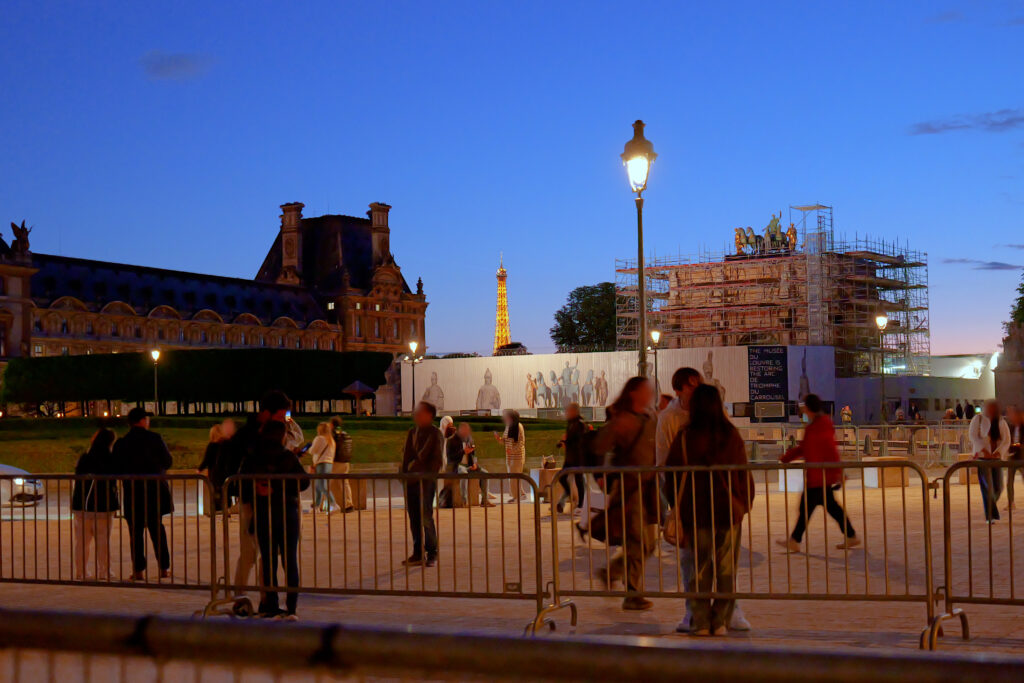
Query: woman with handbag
<point x="631" y="517"/>
<point x="93" y="503"/>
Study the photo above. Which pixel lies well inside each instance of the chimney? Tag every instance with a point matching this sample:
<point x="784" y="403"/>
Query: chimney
<point x="381" y="232"/>
<point x="291" y="243"/>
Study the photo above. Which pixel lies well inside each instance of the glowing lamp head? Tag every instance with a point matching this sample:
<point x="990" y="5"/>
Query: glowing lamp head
<point x="638" y="156"/>
<point x="655" y="336"/>
<point x="881" y="320"/>
<point x="155" y="353"/>
<point x="413" y="345"/>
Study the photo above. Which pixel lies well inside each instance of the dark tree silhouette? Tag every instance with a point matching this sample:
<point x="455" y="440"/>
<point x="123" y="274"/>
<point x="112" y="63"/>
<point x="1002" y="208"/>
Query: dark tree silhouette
<point x="587" y="320"/>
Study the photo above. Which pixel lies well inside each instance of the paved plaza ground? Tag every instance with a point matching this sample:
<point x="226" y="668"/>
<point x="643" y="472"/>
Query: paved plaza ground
<point x="494" y="551"/>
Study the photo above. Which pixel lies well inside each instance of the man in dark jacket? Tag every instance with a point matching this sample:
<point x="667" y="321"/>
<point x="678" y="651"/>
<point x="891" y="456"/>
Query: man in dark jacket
<point x="142" y="452"/>
<point x="422" y="455"/>
<point x="573" y="442"/>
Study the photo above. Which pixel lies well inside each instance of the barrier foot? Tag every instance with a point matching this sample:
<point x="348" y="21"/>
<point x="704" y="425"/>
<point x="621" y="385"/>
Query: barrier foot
<point x="544" y="618"/>
<point x="231" y="607"/>
<point x="930" y="636"/>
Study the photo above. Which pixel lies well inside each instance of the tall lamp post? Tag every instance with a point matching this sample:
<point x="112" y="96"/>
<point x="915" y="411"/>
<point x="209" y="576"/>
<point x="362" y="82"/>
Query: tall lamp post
<point x="655" y="338"/>
<point x="412" y="359"/>
<point x="155" y="354"/>
<point x="637" y="157"/>
<point x="882" y="321"/>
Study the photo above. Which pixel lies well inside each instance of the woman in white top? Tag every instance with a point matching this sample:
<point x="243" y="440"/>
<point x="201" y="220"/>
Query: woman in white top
<point x="322" y="451"/>
<point x="990" y="438"/>
<point x="514" y="438"/>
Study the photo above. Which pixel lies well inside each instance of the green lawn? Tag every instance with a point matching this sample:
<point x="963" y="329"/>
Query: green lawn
<point x="53" y="445"/>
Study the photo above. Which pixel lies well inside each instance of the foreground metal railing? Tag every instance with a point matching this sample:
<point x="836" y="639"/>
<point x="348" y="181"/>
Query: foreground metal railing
<point x="465" y="549"/>
<point x="48" y="646"/>
<point x="711" y="560"/>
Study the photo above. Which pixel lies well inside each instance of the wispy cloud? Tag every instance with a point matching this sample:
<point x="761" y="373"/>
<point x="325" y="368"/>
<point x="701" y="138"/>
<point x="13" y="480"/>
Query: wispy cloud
<point x="948" y="17"/>
<point x="990" y="122"/>
<point x="174" y="66"/>
<point x="1013" y="246"/>
<point x="978" y="264"/>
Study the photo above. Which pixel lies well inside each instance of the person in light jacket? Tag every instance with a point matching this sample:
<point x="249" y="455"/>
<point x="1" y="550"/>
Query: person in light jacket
<point x="990" y="439"/>
<point x="322" y="450"/>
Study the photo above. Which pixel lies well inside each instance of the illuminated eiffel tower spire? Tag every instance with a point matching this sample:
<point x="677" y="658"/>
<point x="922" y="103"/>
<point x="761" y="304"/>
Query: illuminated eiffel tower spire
<point x="501" y="333"/>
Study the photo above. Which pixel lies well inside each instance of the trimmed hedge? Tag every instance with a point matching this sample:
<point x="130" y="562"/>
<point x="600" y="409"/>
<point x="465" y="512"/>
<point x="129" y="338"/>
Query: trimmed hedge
<point x="192" y="376"/>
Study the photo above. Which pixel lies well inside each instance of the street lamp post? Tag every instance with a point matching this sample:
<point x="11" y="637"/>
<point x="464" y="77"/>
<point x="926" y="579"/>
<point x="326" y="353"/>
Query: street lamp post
<point x="637" y="158"/>
<point x="412" y="359"/>
<point x="881" y="321"/>
<point x="655" y="338"/>
<point x="155" y="354"/>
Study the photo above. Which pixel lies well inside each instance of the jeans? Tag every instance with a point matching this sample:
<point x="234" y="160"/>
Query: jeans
<point x="464" y="484"/>
<point x="715" y="572"/>
<point x="990" y="481"/>
<point x="277" y="531"/>
<point x="419" y="505"/>
<point x="1014" y="465"/>
<point x="640" y="538"/>
<point x="322" y="487"/>
<point x="810" y="500"/>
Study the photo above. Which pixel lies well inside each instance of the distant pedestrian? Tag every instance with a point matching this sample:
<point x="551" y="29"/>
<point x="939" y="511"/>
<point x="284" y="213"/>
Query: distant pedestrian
<point x="959" y="411"/>
<point x="454" y="452"/>
<point x="142" y="452"/>
<point x="322" y="450"/>
<point x="969" y="410"/>
<point x="422" y="456"/>
<point x="712" y="505"/>
<point x="632" y="508"/>
<point x="343" y="461"/>
<point x="275" y="504"/>
<point x="1015" y="456"/>
<point x="93" y="504"/>
<point x="514" y="440"/>
<point x="991" y="441"/>
<point x="820" y="484"/>
<point x="573" y="443"/>
<point x="220" y="434"/>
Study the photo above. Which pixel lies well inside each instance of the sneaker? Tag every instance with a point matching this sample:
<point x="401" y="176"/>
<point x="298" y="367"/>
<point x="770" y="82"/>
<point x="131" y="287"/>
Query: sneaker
<point x="430" y="561"/>
<point x="350" y="508"/>
<point x="850" y="542"/>
<point x="789" y="544"/>
<point x="331" y="510"/>
<point x="684" y="625"/>
<point x="721" y="630"/>
<point x="486" y="504"/>
<point x="635" y="603"/>
<point x="701" y="632"/>
<point x="738" y="622"/>
<point x="413" y="561"/>
<point x="291" y="616"/>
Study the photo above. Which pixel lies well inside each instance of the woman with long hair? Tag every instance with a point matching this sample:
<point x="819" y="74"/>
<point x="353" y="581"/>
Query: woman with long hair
<point x="631" y="517"/>
<point x="712" y="506"/>
<point x="514" y="439"/>
<point x="93" y="503"/>
<point x="322" y="450"/>
<point x="212" y="465"/>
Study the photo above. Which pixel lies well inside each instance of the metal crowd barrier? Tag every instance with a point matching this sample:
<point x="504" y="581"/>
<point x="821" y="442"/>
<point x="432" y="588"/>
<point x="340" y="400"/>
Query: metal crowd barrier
<point x="878" y="570"/>
<point x="491" y="551"/>
<point x="987" y="577"/>
<point x="44" y="540"/>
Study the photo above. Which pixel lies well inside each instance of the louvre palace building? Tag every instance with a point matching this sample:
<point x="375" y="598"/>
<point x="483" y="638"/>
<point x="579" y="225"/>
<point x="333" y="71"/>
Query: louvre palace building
<point x="327" y="283"/>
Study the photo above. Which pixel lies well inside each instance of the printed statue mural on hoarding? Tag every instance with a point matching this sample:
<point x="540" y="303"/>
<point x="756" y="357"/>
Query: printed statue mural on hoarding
<point x="433" y="395"/>
<point x="488" y="398"/>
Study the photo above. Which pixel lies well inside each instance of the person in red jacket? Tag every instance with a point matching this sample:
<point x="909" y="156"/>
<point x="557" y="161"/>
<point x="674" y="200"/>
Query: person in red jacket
<point x="819" y="445"/>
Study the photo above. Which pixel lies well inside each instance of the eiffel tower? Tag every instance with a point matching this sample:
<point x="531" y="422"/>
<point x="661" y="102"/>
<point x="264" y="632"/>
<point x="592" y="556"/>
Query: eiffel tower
<point x="501" y="333"/>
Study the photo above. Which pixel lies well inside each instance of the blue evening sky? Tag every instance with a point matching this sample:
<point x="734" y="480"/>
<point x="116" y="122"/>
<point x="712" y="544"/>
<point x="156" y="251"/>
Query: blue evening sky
<point x="167" y="134"/>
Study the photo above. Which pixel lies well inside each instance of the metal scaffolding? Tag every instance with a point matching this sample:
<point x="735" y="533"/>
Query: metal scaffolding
<point x="823" y="292"/>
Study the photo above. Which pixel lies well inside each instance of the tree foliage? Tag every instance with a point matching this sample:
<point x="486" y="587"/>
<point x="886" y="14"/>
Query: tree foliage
<point x="1017" y="312"/>
<point x="587" y="320"/>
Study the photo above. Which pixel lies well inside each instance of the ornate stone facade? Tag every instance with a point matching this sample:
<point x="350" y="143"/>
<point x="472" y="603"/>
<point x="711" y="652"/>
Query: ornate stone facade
<point x="328" y="283"/>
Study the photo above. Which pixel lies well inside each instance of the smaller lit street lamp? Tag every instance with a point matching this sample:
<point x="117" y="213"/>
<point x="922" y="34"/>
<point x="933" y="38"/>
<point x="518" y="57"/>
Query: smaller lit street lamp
<point x="637" y="157"/>
<point x="155" y="353"/>
<point x="882" y="321"/>
<point x="655" y="338"/>
<point x="412" y="359"/>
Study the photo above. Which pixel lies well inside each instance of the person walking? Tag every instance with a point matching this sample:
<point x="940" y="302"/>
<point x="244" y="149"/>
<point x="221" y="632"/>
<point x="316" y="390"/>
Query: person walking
<point x="343" y="461"/>
<point x="712" y="506"/>
<point x="93" y="503"/>
<point x="471" y="464"/>
<point x="142" y="452"/>
<point x="819" y="445"/>
<point x="275" y="503"/>
<point x="1015" y="456"/>
<point x="514" y="440"/>
<point x="273" y="407"/>
<point x="220" y="434"/>
<point x="573" y="443"/>
<point x="991" y="441"/>
<point x="422" y="455"/>
<point x="322" y="450"/>
<point x="672" y="423"/>
<point x="632" y="507"/>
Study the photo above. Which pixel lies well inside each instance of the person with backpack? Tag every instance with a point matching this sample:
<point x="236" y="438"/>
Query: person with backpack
<point x="275" y="504"/>
<point x="93" y="504"/>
